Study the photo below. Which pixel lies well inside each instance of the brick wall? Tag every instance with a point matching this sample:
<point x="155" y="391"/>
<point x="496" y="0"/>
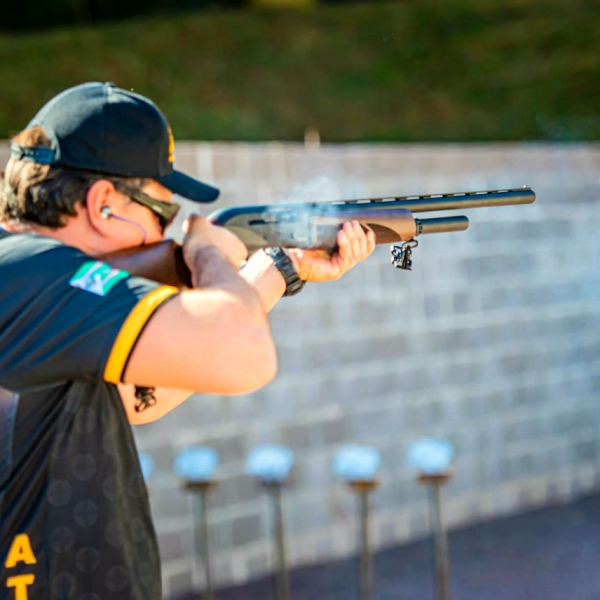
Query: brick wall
<point x="493" y="340"/>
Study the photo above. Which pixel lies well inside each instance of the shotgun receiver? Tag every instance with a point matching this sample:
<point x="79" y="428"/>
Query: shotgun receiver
<point x="315" y="226"/>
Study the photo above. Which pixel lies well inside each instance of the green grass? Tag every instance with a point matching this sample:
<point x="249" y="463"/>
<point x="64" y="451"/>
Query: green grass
<point x="460" y="70"/>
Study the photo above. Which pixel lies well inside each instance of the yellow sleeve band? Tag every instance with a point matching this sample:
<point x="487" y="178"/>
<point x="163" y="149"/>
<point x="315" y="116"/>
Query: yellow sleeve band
<point x="131" y="329"/>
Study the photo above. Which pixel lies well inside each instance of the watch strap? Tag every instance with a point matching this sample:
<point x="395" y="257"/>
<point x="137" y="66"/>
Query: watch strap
<point x="293" y="283"/>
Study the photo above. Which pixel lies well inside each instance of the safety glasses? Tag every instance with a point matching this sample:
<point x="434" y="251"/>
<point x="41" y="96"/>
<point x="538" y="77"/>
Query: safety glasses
<point x="165" y="211"/>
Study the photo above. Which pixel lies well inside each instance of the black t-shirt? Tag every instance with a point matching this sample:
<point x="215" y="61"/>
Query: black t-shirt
<point x="74" y="515"/>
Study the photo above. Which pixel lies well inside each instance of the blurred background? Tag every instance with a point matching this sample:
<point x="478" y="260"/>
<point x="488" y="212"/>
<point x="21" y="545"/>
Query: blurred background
<point x="492" y="342"/>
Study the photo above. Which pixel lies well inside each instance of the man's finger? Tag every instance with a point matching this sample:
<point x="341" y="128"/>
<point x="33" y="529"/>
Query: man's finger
<point x="371" y="242"/>
<point x="361" y="236"/>
<point x="355" y="233"/>
<point x="343" y="242"/>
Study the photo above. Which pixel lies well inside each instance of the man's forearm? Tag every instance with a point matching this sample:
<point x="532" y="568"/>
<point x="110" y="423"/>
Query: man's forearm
<point x="192" y="341"/>
<point x="265" y="278"/>
<point x="211" y="270"/>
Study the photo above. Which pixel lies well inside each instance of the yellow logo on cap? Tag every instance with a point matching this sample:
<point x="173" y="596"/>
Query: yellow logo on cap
<point x="171" y="146"/>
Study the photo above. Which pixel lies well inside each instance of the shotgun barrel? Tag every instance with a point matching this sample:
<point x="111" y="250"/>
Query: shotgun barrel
<point x="314" y="225"/>
<point x="451" y="201"/>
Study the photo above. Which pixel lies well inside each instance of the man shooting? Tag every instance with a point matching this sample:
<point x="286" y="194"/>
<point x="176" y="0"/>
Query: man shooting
<point x="88" y="349"/>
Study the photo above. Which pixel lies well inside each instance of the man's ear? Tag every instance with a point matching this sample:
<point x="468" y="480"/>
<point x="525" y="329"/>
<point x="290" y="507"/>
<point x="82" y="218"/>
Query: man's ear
<point x="100" y="197"/>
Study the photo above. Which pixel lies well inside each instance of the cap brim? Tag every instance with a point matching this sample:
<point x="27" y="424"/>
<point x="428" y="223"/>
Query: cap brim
<point x="189" y="188"/>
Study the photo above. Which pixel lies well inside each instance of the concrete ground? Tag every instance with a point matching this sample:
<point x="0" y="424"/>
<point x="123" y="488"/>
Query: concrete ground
<point x="547" y="554"/>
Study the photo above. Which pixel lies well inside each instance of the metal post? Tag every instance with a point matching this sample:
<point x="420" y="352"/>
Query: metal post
<point x="283" y="584"/>
<point x="431" y="457"/>
<point x="201" y="539"/>
<point x="358" y="466"/>
<point x="271" y="464"/>
<point x="363" y="489"/>
<point x="442" y="569"/>
<point x="197" y="465"/>
<point x="366" y="560"/>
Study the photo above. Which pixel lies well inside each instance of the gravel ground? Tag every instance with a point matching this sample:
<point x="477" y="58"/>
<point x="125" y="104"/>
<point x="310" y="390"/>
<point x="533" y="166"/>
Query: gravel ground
<point x="547" y="554"/>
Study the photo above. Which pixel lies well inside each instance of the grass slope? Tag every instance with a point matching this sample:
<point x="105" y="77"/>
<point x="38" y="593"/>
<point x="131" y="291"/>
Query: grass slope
<point x="447" y="70"/>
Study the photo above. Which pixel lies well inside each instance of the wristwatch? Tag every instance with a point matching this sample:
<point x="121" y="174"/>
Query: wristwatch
<point x="293" y="283"/>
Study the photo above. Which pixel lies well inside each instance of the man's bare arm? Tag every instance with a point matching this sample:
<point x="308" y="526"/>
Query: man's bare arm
<point x="211" y="339"/>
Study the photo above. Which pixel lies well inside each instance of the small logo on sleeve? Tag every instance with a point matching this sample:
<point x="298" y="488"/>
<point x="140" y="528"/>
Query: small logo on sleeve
<point x="97" y="277"/>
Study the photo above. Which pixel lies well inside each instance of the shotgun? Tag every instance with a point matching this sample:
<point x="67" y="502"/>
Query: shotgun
<point x="315" y="225"/>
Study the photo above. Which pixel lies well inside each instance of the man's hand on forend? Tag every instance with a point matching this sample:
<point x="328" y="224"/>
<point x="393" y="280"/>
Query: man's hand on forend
<point x="354" y="245"/>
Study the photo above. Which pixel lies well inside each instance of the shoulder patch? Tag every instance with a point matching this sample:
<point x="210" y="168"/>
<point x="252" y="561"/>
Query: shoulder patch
<point x="97" y="277"/>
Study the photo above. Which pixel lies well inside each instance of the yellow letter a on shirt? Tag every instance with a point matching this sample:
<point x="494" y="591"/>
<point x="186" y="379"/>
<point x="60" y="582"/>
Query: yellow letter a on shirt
<point x="20" y="551"/>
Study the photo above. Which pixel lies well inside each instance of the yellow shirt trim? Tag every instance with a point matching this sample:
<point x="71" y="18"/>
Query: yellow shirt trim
<point x="131" y="329"/>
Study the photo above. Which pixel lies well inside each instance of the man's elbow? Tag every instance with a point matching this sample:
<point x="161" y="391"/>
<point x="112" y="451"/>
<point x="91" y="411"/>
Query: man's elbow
<point x="259" y="371"/>
<point x="269" y="362"/>
<point x="246" y="362"/>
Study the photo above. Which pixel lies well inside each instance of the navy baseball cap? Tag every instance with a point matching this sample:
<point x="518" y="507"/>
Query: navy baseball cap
<point x="102" y="128"/>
